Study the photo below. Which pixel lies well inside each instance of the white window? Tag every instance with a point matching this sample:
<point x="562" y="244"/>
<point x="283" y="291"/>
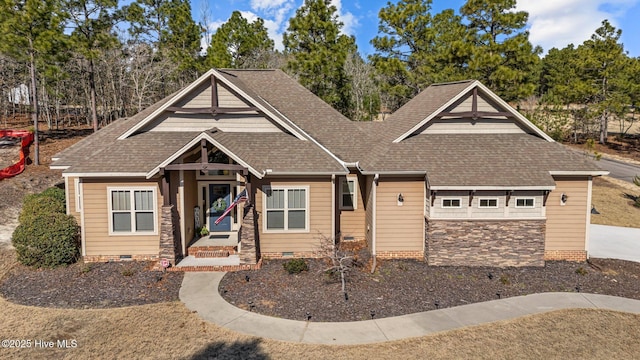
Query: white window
<point x="78" y="188"/>
<point x="132" y="211"/>
<point x="451" y="203"/>
<point x="286" y="208"/>
<point x="348" y="193"/>
<point x="488" y="203"/>
<point x="525" y="202"/>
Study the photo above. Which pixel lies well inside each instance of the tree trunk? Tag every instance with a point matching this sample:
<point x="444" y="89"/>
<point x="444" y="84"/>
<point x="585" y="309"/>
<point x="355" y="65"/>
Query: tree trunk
<point x="34" y="103"/>
<point x="603" y="128"/>
<point x="92" y="91"/>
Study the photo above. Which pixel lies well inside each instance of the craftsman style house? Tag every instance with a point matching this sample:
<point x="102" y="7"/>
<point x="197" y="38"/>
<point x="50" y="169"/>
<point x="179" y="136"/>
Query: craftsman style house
<point x="454" y="177"/>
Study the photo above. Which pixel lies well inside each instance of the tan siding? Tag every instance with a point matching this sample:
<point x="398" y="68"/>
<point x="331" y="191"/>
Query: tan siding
<point x="467" y="126"/>
<point x="319" y="216"/>
<point x="400" y="228"/>
<point x="566" y="225"/>
<point x="352" y="222"/>
<point x="466" y="104"/>
<point x="71" y="195"/>
<point x="190" y="201"/>
<point x="200" y="97"/>
<point x="202" y="122"/>
<point x="96" y="214"/>
<point x="227" y="99"/>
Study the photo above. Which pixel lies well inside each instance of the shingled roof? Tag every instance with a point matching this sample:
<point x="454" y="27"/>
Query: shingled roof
<point x="501" y="160"/>
<point x="318" y="119"/>
<point x="329" y="139"/>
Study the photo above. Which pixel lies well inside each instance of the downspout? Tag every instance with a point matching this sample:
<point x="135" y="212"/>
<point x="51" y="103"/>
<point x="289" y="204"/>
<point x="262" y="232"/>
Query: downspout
<point x="333" y="208"/>
<point x="374" y="185"/>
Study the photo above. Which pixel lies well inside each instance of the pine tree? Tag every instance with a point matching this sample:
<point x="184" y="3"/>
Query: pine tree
<point x="603" y="61"/>
<point x="318" y="52"/>
<point x="240" y="44"/>
<point x="30" y="32"/>
<point x="92" y="22"/>
<point x="415" y="49"/>
<point x="168" y="27"/>
<point x="503" y="57"/>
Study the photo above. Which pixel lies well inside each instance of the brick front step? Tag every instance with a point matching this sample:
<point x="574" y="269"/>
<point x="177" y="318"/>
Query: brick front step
<point x="213" y="250"/>
<point x="212" y="254"/>
<point x="225" y="268"/>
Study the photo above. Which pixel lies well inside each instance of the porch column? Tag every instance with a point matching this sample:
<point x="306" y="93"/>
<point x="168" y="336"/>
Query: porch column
<point x="247" y="186"/>
<point x="166" y="197"/>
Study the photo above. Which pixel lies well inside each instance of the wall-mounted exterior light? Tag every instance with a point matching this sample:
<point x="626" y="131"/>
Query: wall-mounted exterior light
<point x="400" y="199"/>
<point x="563" y="199"/>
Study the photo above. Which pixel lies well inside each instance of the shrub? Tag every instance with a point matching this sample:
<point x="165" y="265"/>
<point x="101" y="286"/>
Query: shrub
<point x="39" y="204"/>
<point x="55" y="193"/>
<point x="47" y="240"/>
<point x="295" y="266"/>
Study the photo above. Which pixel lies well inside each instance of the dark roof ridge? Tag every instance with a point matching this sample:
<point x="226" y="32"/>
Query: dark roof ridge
<point x="453" y="82"/>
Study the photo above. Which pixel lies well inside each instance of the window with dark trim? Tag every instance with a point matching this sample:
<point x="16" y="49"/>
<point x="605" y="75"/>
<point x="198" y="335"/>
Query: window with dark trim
<point x="525" y="202"/>
<point x="348" y="193"/>
<point x="451" y="203"/>
<point x="488" y="203"/>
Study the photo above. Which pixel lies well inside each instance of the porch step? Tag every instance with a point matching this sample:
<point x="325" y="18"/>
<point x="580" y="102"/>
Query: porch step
<point x="231" y="263"/>
<point x="212" y="251"/>
<point x="211" y="254"/>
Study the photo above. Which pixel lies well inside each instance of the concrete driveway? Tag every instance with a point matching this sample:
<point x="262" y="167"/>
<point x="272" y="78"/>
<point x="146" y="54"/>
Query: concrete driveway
<point x="614" y="242"/>
<point x="620" y="170"/>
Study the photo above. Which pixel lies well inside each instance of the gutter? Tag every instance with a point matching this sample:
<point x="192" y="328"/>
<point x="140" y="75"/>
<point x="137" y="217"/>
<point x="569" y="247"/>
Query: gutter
<point x="374" y="185"/>
<point x="580" y="173"/>
<point x="294" y="173"/>
<point x="410" y="172"/>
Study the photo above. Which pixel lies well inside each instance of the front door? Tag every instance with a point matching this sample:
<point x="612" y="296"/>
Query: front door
<point x="219" y="200"/>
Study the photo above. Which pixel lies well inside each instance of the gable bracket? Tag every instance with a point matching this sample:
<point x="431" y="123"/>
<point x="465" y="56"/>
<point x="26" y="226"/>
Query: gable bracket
<point x="546" y="196"/>
<point x="433" y="197"/>
<point x="474" y="113"/>
<point x="215" y="106"/>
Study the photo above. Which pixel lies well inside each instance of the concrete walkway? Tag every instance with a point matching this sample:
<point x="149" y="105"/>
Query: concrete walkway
<point x="614" y="242"/>
<point x="199" y="292"/>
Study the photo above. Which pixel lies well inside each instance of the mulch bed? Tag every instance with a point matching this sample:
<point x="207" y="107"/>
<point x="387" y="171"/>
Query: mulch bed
<point x="400" y="287"/>
<point x="97" y="285"/>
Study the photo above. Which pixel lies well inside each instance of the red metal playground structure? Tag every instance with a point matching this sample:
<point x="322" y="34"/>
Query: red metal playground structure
<point x="26" y="138"/>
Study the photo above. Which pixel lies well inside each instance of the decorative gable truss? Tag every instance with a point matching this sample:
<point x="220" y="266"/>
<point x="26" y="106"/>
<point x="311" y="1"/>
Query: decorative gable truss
<point x="213" y="101"/>
<point x="475" y="110"/>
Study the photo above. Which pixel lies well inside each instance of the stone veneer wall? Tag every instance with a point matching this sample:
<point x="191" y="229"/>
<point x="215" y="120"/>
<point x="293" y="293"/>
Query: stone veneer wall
<point x="485" y="242"/>
<point x="248" y="237"/>
<point x="169" y="249"/>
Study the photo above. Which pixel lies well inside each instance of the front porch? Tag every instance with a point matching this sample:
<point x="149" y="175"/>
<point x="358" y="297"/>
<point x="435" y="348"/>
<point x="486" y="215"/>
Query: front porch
<point x="224" y="251"/>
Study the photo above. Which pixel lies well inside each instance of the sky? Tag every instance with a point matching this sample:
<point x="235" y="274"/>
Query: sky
<point x="552" y="23"/>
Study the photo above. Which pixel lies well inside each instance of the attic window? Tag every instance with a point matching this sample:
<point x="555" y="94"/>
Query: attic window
<point x="488" y="203"/>
<point x="525" y="202"/>
<point x="451" y="203"/>
<point x="218" y="157"/>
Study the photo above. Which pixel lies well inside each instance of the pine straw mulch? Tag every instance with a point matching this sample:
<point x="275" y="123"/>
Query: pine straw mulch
<point x="400" y="287"/>
<point x="96" y="285"/>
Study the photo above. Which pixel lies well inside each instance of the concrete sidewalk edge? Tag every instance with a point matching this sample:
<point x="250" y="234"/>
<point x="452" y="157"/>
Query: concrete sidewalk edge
<point x="199" y="292"/>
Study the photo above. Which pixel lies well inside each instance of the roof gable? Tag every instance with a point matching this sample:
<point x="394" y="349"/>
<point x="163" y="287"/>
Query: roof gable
<point x="463" y="103"/>
<point x="214" y="94"/>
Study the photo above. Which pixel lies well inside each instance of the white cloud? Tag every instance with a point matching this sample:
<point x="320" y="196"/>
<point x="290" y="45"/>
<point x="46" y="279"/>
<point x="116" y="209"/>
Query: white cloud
<point x="558" y="23"/>
<point x="349" y="20"/>
<point x="267" y="4"/>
